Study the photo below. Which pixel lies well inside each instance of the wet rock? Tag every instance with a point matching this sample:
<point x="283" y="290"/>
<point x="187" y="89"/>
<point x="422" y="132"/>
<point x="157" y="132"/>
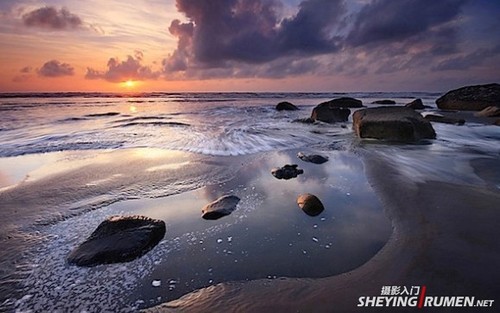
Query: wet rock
<point x="392" y="123"/>
<point x="330" y="114"/>
<point x="491" y="111"/>
<point x="444" y="119"/>
<point x="304" y="120"/>
<point x="286" y="106"/>
<point x="310" y="204"/>
<point x="384" y="102"/>
<point x="312" y="158"/>
<point x="470" y="98"/>
<point x="287" y="172"/>
<point x="118" y="239"/>
<point x="223" y="206"/>
<point x="416" y="104"/>
<point x="343" y="102"/>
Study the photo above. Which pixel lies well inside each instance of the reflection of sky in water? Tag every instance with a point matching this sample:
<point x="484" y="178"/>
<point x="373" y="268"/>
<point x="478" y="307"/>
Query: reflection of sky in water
<point x="268" y="236"/>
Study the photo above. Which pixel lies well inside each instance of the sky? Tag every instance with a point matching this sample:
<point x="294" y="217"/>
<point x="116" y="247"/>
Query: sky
<point x="248" y="45"/>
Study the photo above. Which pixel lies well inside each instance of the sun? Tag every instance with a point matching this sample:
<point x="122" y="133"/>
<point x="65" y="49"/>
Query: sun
<point x="129" y="83"/>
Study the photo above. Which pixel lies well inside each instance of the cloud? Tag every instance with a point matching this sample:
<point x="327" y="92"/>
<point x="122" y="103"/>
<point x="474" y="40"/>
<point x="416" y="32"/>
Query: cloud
<point x="225" y="33"/>
<point x="385" y="21"/>
<point x="466" y="61"/>
<point x="55" y="68"/>
<point x="49" y="18"/>
<point x="119" y="71"/>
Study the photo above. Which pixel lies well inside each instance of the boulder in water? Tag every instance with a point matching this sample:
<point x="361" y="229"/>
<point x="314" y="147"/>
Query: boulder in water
<point x="312" y="158"/>
<point x="444" y="119"/>
<point x="118" y="239"/>
<point x="470" y="98"/>
<point x="343" y="102"/>
<point x="392" y="123"/>
<point x="286" y="106"/>
<point x="416" y="104"/>
<point x="385" y="101"/>
<point x="287" y="172"/>
<point x="330" y="115"/>
<point x="310" y="204"/>
<point x="223" y="206"/>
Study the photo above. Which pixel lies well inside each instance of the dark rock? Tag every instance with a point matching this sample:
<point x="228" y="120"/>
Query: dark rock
<point x="392" y="123"/>
<point x="286" y="106"/>
<point x="491" y="111"/>
<point x="223" y="206"/>
<point x="310" y="204"/>
<point x="470" y="98"/>
<point x="304" y="120"/>
<point x="497" y="122"/>
<point x="329" y="114"/>
<point x="384" y="102"/>
<point x="344" y="102"/>
<point x="416" y="105"/>
<point x="312" y="158"/>
<point x="444" y="119"/>
<point x="118" y="239"/>
<point x="287" y="172"/>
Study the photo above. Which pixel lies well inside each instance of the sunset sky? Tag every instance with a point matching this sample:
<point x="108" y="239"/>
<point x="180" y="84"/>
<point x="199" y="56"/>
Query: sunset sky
<point x="248" y="45"/>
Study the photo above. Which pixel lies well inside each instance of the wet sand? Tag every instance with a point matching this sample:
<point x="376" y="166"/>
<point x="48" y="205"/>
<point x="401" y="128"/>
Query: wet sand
<point x="445" y="236"/>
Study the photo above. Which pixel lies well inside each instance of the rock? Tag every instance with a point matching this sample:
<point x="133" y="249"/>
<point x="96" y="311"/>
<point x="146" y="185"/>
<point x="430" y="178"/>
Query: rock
<point x="312" y="158"/>
<point x="287" y="172"/>
<point x="304" y="120"/>
<point x="286" y="106"/>
<point x="330" y="115"/>
<point x="392" y="123"/>
<point x="416" y="105"/>
<point x="310" y="204"/>
<point x="384" y="102"/>
<point x="470" y="98"/>
<point x="497" y="122"/>
<point x="444" y="119"/>
<point x="223" y="206"/>
<point x="344" y="102"/>
<point x="118" y="239"/>
<point x="491" y="111"/>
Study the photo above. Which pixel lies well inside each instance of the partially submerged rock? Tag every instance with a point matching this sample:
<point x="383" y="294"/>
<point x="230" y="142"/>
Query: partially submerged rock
<point x="392" y="123"/>
<point x="312" y="158"/>
<point x="286" y="106"/>
<point x="343" y="102"/>
<point x="310" y="204"/>
<point x="444" y="119"/>
<point x="118" y="239"/>
<point x="491" y="111"/>
<point x="223" y="206"/>
<point x="416" y="104"/>
<point x="385" y="101"/>
<point x="287" y="172"/>
<point x="470" y="98"/>
<point x="331" y="115"/>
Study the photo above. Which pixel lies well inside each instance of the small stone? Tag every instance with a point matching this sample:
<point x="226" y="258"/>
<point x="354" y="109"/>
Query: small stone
<point x="156" y="283"/>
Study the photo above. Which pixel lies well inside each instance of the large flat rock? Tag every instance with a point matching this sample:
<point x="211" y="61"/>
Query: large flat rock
<point x="470" y="98"/>
<point x="393" y="124"/>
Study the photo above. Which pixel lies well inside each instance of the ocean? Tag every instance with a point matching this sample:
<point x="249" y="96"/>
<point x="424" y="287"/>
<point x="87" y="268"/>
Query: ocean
<point x="70" y="160"/>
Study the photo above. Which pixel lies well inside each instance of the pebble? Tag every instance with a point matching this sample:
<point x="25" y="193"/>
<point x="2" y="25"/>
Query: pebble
<point x="156" y="283"/>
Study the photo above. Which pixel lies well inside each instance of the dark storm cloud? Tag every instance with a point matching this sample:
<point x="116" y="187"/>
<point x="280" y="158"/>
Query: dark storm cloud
<point x="49" y="18"/>
<point x="118" y="71"/>
<point x="389" y="21"/>
<point x="250" y="31"/>
<point x="55" y="68"/>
